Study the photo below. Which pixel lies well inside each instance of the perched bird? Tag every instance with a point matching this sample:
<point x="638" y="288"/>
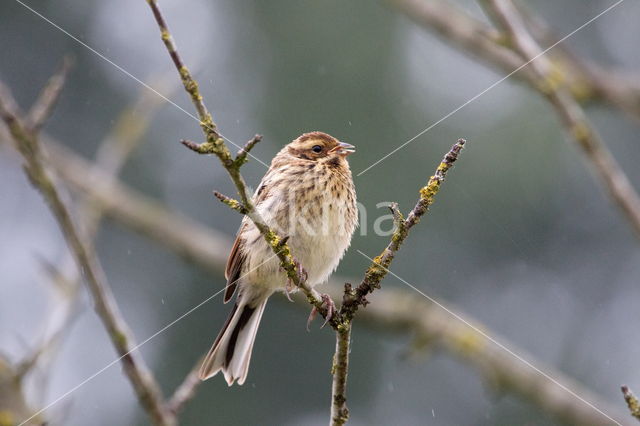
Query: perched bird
<point x="308" y="196"/>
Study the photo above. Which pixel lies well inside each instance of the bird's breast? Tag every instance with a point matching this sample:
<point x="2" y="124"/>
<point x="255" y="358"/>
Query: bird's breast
<point x="319" y="216"/>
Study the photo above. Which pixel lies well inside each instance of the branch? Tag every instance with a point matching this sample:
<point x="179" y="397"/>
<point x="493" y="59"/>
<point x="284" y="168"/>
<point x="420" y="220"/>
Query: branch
<point x="568" y="110"/>
<point x="587" y="82"/>
<point x="353" y="299"/>
<point x="27" y="143"/>
<point x="185" y="391"/>
<point x="214" y="144"/>
<point x="379" y="267"/>
<point x="340" y="370"/>
<point x="43" y="107"/>
<point x="395" y="311"/>
<point x="632" y="402"/>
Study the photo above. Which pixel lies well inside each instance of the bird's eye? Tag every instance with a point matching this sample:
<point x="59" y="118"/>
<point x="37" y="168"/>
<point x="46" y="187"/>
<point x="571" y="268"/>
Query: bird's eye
<point x="317" y="149"/>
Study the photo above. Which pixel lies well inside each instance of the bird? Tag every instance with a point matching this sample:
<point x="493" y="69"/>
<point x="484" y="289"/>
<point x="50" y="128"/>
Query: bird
<point x="308" y="197"/>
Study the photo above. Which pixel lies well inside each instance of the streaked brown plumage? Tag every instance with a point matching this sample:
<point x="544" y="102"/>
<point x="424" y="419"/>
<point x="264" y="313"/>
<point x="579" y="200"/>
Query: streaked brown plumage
<point x="308" y="195"/>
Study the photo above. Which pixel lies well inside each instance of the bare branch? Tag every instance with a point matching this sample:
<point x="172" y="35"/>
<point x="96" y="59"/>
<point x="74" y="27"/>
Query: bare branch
<point x="568" y="110"/>
<point x="340" y="370"/>
<point x="185" y="391"/>
<point x="396" y="311"/>
<point x="43" y="107"/>
<point x="144" y="384"/>
<point x="586" y="81"/>
<point x="215" y="145"/>
<point x="353" y="299"/>
<point x="378" y="269"/>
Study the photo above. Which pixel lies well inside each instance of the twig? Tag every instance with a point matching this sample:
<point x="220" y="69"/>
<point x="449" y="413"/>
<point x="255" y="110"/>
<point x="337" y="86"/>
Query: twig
<point x="395" y="311"/>
<point x="568" y="110"/>
<point x="43" y="107"/>
<point x="214" y="144"/>
<point x="241" y="156"/>
<point x="27" y="143"/>
<point x="632" y="402"/>
<point x="185" y="391"/>
<point x="353" y="299"/>
<point x="230" y="202"/>
<point x="378" y="269"/>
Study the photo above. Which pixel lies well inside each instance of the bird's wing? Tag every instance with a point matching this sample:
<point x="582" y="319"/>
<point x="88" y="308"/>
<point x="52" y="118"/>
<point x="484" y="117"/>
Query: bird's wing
<point x="234" y="267"/>
<point x="237" y="257"/>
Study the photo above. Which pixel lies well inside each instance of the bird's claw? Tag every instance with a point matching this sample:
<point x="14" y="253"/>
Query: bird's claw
<point x="291" y="287"/>
<point x="331" y="309"/>
<point x="302" y="273"/>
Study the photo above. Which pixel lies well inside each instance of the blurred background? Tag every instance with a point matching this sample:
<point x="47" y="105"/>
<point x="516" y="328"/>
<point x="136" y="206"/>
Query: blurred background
<point x="522" y="238"/>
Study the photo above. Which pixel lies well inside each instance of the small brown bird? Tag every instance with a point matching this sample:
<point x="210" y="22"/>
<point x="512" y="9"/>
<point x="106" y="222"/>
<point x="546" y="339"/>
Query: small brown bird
<point x="308" y="196"/>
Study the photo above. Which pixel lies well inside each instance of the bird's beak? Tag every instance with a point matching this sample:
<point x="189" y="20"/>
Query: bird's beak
<point x="343" y="148"/>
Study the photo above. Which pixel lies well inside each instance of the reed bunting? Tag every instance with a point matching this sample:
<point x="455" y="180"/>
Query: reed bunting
<point x="308" y="196"/>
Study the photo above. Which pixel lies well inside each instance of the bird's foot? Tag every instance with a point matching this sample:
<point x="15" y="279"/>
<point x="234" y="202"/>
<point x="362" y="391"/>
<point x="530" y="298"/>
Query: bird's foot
<point x="291" y="287"/>
<point x="302" y="273"/>
<point x="331" y="309"/>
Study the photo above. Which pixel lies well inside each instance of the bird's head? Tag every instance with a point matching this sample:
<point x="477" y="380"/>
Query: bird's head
<point x="320" y="147"/>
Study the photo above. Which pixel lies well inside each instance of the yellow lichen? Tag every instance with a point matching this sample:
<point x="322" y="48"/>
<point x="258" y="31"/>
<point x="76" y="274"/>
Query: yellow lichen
<point x="6" y="418"/>
<point x="469" y="341"/>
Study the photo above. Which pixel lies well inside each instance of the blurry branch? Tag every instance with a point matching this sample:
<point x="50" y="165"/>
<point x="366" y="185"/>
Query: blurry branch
<point x="586" y="81"/>
<point x="214" y="144"/>
<point x="373" y="276"/>
<point x="632" y="402"/>
<point x="401" y="311"/>
<point x="60" y="321"/>
<point x="43" y="107"/>
<point x="13" y="406"/>
<point x="571" y="115"/>
<point x="563" y="80"/>
<point x="186" y="390"/>
<point x="112" y="154"/>
<point x="397" y="311"/>
<point x="203" y="246"/>
<point x="26" y="141"/>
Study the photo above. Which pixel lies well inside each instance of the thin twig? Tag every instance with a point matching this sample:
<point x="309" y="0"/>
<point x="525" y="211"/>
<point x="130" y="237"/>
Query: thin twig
<point x="241" y="157"/>
<point x="571" y="115"/>
<point x="144" y="384"/>
<point x="230" y="202"/>
<point x="43" y="107"/>
<point x="632" y="402"/>
<point x="395" y="311"/>
<point x="185" y="391"/>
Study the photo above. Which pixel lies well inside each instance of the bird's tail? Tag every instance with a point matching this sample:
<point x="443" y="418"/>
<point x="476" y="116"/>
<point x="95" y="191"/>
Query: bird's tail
<point x="231" y="352"/>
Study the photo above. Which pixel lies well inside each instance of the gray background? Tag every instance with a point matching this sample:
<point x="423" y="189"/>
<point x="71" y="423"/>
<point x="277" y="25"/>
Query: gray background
<point x="522" y="237"/>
